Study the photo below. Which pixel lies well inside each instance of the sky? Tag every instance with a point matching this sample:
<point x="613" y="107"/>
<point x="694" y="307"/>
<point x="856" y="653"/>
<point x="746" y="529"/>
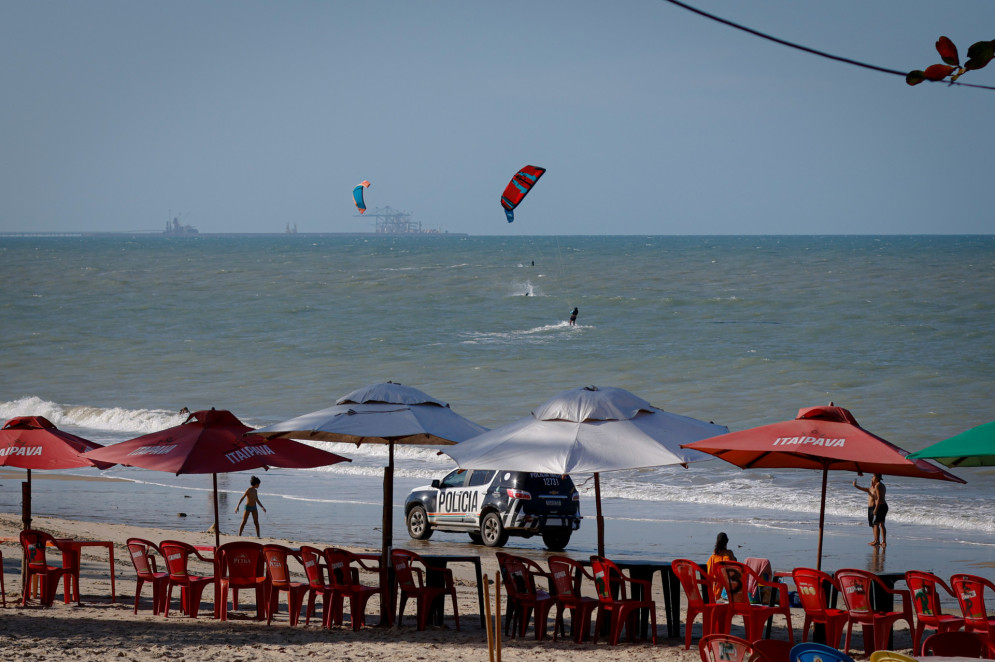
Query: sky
<point x="244" y="116"/>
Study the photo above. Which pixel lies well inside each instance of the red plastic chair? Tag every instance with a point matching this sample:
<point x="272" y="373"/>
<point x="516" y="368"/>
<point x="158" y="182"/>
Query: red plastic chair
<point x="312" y="559"/>
<point x="622" y="610"/>
<point x="518" y="574"/>
<point x="812" y="588"/>
<point x="280" y="580"/>
<point x="959" y="644"/>
<point x="926" y="603"/>
<point x="857" y="588"/>
<point x="776" y="650"/>
<point x="734" y="577"/>
<point x="970" y="592"/>
<point x="697" y="585"/>
<point x="177" y="554"/>
<point x="345" y="584"/>
<point x="242" y="566"/>
<point x="568" y="575"/>
<point x="34" y="543"/>
<point x="142" y="554"/>
<point x="411" y="579"/>
<point x="719" y="647"/>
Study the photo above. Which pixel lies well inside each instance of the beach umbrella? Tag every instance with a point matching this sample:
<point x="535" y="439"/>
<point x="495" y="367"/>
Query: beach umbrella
<point x="820" y="438"/>
<point x="588" y="430"/>
<point x="972" y="448"/>
<point x="33" y="442"/>
<point x="212" y="442"/>
<point x="387" y="413"/>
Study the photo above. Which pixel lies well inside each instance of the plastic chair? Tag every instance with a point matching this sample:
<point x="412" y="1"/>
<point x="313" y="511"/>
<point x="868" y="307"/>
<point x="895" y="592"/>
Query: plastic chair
<point x="959" y="644"/>
<point x="177" y="554"/>
<point x="143" y="558"/>
<point x="567" y="577"/>
<point x="812" y="588"/>
<point x="345" y="584"/>
<point x="280" y="580"/>
<point x="311" y="559"/>
<point x="720" y="647"/>
<point x="857" y="588"/>
<point x="809" y="651"/>
<point x="524" y="598"/>
<point x="411" y="579"/>
<point x="697" y="585"/>
<point x="34" y="543"/>
<point x="734" y="576"/>
<point x="891" y="656"/>
<point x="926" y="603"/>
<point x="242" y="566"/>
<point x="622" y="610"/>
<point x="776" y="650"/>
<point x="970" y="592"/>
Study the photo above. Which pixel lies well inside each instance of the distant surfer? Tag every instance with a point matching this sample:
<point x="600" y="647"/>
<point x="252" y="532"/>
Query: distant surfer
<point x="573" y="317"/>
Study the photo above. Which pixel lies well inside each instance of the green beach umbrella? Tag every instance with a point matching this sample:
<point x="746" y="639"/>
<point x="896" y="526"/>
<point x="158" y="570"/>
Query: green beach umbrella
<point x="972" y="448"/>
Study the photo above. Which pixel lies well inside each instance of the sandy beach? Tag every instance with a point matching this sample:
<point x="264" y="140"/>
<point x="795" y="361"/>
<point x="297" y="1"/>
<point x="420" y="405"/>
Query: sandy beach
<point x="99" y="629"/>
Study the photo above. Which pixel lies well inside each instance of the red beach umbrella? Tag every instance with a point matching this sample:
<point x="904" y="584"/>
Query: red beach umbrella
<point x="33" y="442"/>
<point x="211" y="442"/>
<point x="820" y="438"/>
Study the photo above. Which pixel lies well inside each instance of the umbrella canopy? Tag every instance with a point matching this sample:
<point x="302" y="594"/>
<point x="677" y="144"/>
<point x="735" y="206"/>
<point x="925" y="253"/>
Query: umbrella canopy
<point x="821" y="438"/>
<point x="33" y="442"/>
<point x="588" y="430"/>
<point x="972" y="448"/>
<point x="387" y="413"/>
<point x="212" y="442"/>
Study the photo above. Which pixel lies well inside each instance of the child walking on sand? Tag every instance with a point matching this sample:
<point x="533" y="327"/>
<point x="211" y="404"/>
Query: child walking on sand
<point x="251" y="498"/>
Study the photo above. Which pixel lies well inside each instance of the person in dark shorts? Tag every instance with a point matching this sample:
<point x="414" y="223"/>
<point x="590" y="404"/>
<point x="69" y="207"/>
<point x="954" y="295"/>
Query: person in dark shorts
<point x="877" y="509"/>
<point x="252" y="504"/>
<point x="573" y="317"/>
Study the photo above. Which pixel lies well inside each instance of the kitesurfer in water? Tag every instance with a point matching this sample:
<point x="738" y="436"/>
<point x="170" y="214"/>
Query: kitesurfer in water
<point x="573" y="317"/>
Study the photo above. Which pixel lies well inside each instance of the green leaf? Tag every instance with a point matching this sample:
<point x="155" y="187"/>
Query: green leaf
<point x="948" y="51"/>
<point x="915" y="77"/>
<point x="980" y="53"/>
<point x="938" y="72"/>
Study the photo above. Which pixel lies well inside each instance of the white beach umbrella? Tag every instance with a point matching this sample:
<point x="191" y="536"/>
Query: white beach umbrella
<point x="588" y="430"/>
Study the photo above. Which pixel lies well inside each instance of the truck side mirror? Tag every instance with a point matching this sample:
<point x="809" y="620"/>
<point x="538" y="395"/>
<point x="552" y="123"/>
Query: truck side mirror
<point x="436" y="483"/>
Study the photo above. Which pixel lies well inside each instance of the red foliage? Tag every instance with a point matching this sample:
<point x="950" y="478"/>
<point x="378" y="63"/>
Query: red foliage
<point x="947" y="51"/>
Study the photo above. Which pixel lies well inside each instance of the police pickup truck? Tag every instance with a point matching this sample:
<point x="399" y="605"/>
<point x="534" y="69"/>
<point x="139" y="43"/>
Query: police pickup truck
<point x="492" y="505"/>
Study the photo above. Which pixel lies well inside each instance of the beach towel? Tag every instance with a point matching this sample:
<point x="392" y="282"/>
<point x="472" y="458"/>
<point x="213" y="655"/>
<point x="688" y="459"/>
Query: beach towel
<point x="763" y="569"/>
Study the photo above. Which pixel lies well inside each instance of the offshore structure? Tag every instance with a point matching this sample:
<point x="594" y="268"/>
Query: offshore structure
<point x="392" y="221"/>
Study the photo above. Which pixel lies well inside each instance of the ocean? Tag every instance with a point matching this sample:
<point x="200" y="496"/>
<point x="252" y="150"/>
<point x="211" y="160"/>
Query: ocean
<point x="109" y="337"/>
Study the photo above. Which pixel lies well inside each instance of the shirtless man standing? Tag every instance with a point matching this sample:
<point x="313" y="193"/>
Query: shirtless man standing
<point x="877" y="509"/>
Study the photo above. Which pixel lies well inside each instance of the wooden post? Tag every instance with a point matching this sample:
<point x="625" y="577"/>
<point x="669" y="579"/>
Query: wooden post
<point x="487" y="621"/>
<point x="600" y="518"/>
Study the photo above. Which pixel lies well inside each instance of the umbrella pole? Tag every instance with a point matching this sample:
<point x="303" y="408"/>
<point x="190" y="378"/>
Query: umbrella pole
<point x="822" y="517"/>
<point x="26" y="502"/>
<point x="217" y="526"/>
<point x="386" y="572"/>
<point x="600" y="518"/>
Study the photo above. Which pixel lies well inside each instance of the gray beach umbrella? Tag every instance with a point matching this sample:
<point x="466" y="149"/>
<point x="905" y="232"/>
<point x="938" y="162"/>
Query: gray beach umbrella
<point x="588" y="430"/>
<point x="387" y="413"/>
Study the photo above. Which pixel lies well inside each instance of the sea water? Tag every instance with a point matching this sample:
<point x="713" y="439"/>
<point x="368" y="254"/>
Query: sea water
<point x="109" y="337"/>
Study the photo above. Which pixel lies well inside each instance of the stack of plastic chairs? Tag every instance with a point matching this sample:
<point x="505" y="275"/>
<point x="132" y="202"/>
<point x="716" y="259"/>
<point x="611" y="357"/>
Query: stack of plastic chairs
<point x="928" y="610"/>
<point x="525" y="598"/>
<point x="812" y="588"/>
<point x="568" y="575"/>
<point x="412" y="580"/>
<point x="143" y="559"/>
<point x="621" y="609"/>
<point x="697" y="585"/>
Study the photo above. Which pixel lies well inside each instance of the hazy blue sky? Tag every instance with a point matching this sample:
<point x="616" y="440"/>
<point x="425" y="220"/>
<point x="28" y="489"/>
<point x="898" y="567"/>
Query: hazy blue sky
<point x="246" y="115"/>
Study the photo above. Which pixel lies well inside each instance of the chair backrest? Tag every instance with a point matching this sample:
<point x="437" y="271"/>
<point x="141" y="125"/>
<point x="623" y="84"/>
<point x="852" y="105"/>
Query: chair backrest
<point x="140" y="551"/>
<point x="959" y="644"/>
<point x="970" y="592"/>
<point x="242" y="559"/>
<point x="734" y="576"/>
<point x="776" y="650"/>
<point x="925" y="598"/>
<point x="516" y="574"/>
<point x="891" y="656"/>
<point x="810" y="651"/>
<point x="402" y="560"/>
<point x="311" y="558"/>
<point x="606" y="576"/>
<point x="177" y="555"/>
<point x="34" y="543"/>
<point x="728" y="648"/>
<point x="811" y="585"/>
<point x="339" y="563"/>
<point x="276" y="563"/>
<point x="693" y="578"/>
<point x="567" y="575"/>
<point x="857" y="588"/>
